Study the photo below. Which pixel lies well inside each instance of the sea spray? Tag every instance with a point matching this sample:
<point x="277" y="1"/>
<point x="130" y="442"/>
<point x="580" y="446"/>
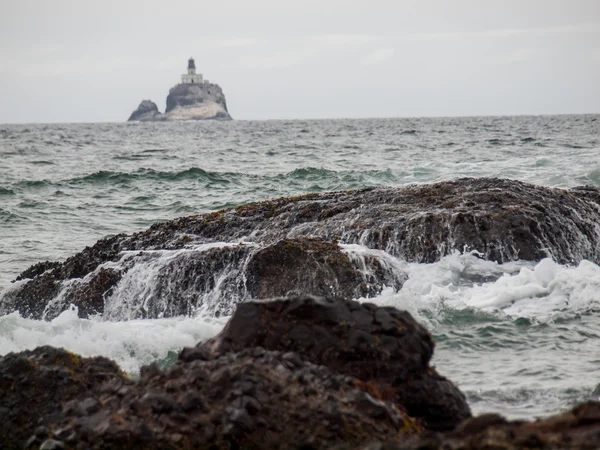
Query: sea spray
<point x="131" y="344"/>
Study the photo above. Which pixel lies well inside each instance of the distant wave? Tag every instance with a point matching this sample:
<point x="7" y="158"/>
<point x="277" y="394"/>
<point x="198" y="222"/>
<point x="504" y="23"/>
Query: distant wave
<point x="34" y="183"/>
<point x="301" y="179"/>
<point x="195" y="173"/>
<point x="109" y="177"/>
<point x="7" y="217"/>
<point x="6" y="191"/>
<point x="306" y="172"/>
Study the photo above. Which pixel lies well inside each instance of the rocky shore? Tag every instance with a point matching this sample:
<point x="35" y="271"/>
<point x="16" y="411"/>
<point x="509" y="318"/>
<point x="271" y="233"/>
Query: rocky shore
<point x="289" y="373"/>
<point x="300" y="364"/>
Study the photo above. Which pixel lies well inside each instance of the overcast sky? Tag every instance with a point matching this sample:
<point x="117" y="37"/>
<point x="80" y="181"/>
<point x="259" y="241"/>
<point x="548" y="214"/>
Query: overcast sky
<point x="84" y="61"/>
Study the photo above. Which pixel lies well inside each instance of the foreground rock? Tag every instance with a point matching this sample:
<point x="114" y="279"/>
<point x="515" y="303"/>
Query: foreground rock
<point x="35" y="387"/>
<point x="381" y="346"/>
<point x="297" y="244"/>
<point x="253" y="399"/>
<point x="234" y="393"/>
<point x="229" y="393"/>
<point x="576" y="429"/>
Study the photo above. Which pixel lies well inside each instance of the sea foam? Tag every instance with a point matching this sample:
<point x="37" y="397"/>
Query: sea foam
<point x="131" y="344"/>
<point x="542" y="291"/>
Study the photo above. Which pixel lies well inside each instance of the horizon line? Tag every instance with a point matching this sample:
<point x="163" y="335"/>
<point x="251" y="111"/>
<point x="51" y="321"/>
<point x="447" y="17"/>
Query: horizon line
<point x="469" y="116"/>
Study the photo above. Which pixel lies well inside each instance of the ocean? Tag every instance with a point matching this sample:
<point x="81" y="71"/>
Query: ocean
<point x="520" y="338"/>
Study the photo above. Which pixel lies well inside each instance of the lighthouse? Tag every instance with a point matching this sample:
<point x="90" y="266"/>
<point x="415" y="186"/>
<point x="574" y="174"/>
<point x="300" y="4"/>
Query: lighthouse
<point x="191" y="77"/>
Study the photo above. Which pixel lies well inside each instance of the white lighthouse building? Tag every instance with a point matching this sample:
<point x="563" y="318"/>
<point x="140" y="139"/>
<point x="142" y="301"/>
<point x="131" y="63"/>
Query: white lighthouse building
<point x="191" y="77"/>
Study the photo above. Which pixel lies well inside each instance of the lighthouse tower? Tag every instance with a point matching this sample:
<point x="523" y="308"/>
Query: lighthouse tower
<point x="191" y="77"/>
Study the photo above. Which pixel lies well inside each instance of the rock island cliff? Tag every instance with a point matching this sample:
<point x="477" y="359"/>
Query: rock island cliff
<point x="193" y="99"/>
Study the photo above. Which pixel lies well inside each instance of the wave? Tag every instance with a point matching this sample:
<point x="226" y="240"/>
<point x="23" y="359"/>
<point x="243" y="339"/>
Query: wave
<point x="464" y="287"/>
<point x="6" y="191"/>
<point x="34" y="183"/>
<point x="131" y="344"/>
<point x="309" y="172"/>
<point x="8" y="217"/>
<point x="496" y="141"/>
<point x="110" y="177"/>
<point x="313" y="173"/>
<point x="594" y="177"/>
<point x="298" y="180"/>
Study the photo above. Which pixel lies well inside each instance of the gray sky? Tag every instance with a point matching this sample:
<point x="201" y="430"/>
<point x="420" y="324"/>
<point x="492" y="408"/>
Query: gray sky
<point x="84" y="61"/>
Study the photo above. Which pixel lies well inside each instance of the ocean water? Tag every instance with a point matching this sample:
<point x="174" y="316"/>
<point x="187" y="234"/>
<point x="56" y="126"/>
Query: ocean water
<point x="521" y="338"/>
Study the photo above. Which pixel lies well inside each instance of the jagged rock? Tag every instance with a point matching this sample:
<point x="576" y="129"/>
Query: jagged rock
<point x="253" y="399"/>
<point x="219" y="396"/>
<point x="502" y="219"/>
<point x="577" y="429"/>
<point x="147" y="111"/>
<point x="36" y="385"/>
<point x="383" y="347"/>
<point x="315" y="266"/>
<point x="36" y="299"/>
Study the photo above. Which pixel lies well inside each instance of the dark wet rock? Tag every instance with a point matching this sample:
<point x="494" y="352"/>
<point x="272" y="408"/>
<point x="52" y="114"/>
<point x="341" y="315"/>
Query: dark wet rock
<point x="40" y="299"/>
<point x="145" y="112"/>
<point x="504" y="220"/>
<point x="35" y="386"/>
<point x="591" y="193"/>
<point x="383" y="347"/>
<point x="230" y="393"/>
<point x="577" y="429"/>
<point x="312" y="265"/>
<point x="239" y="400"/>
<point x="38" y="269"/>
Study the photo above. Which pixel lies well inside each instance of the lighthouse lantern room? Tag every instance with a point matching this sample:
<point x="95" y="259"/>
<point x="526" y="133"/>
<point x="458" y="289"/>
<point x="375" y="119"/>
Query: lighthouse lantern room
<point x="191" y="77"/>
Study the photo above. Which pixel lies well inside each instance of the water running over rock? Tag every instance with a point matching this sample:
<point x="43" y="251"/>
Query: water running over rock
<point x="213" y="261"/>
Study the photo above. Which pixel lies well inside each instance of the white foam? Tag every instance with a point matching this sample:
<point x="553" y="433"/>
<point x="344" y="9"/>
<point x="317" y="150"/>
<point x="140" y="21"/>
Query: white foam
<point x="131" y="344"/>
<point x="542" y="291"/>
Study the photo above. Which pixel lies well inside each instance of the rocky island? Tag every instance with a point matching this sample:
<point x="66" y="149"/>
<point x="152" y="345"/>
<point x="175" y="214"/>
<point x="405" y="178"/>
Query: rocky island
<point x="193" y="99"/>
